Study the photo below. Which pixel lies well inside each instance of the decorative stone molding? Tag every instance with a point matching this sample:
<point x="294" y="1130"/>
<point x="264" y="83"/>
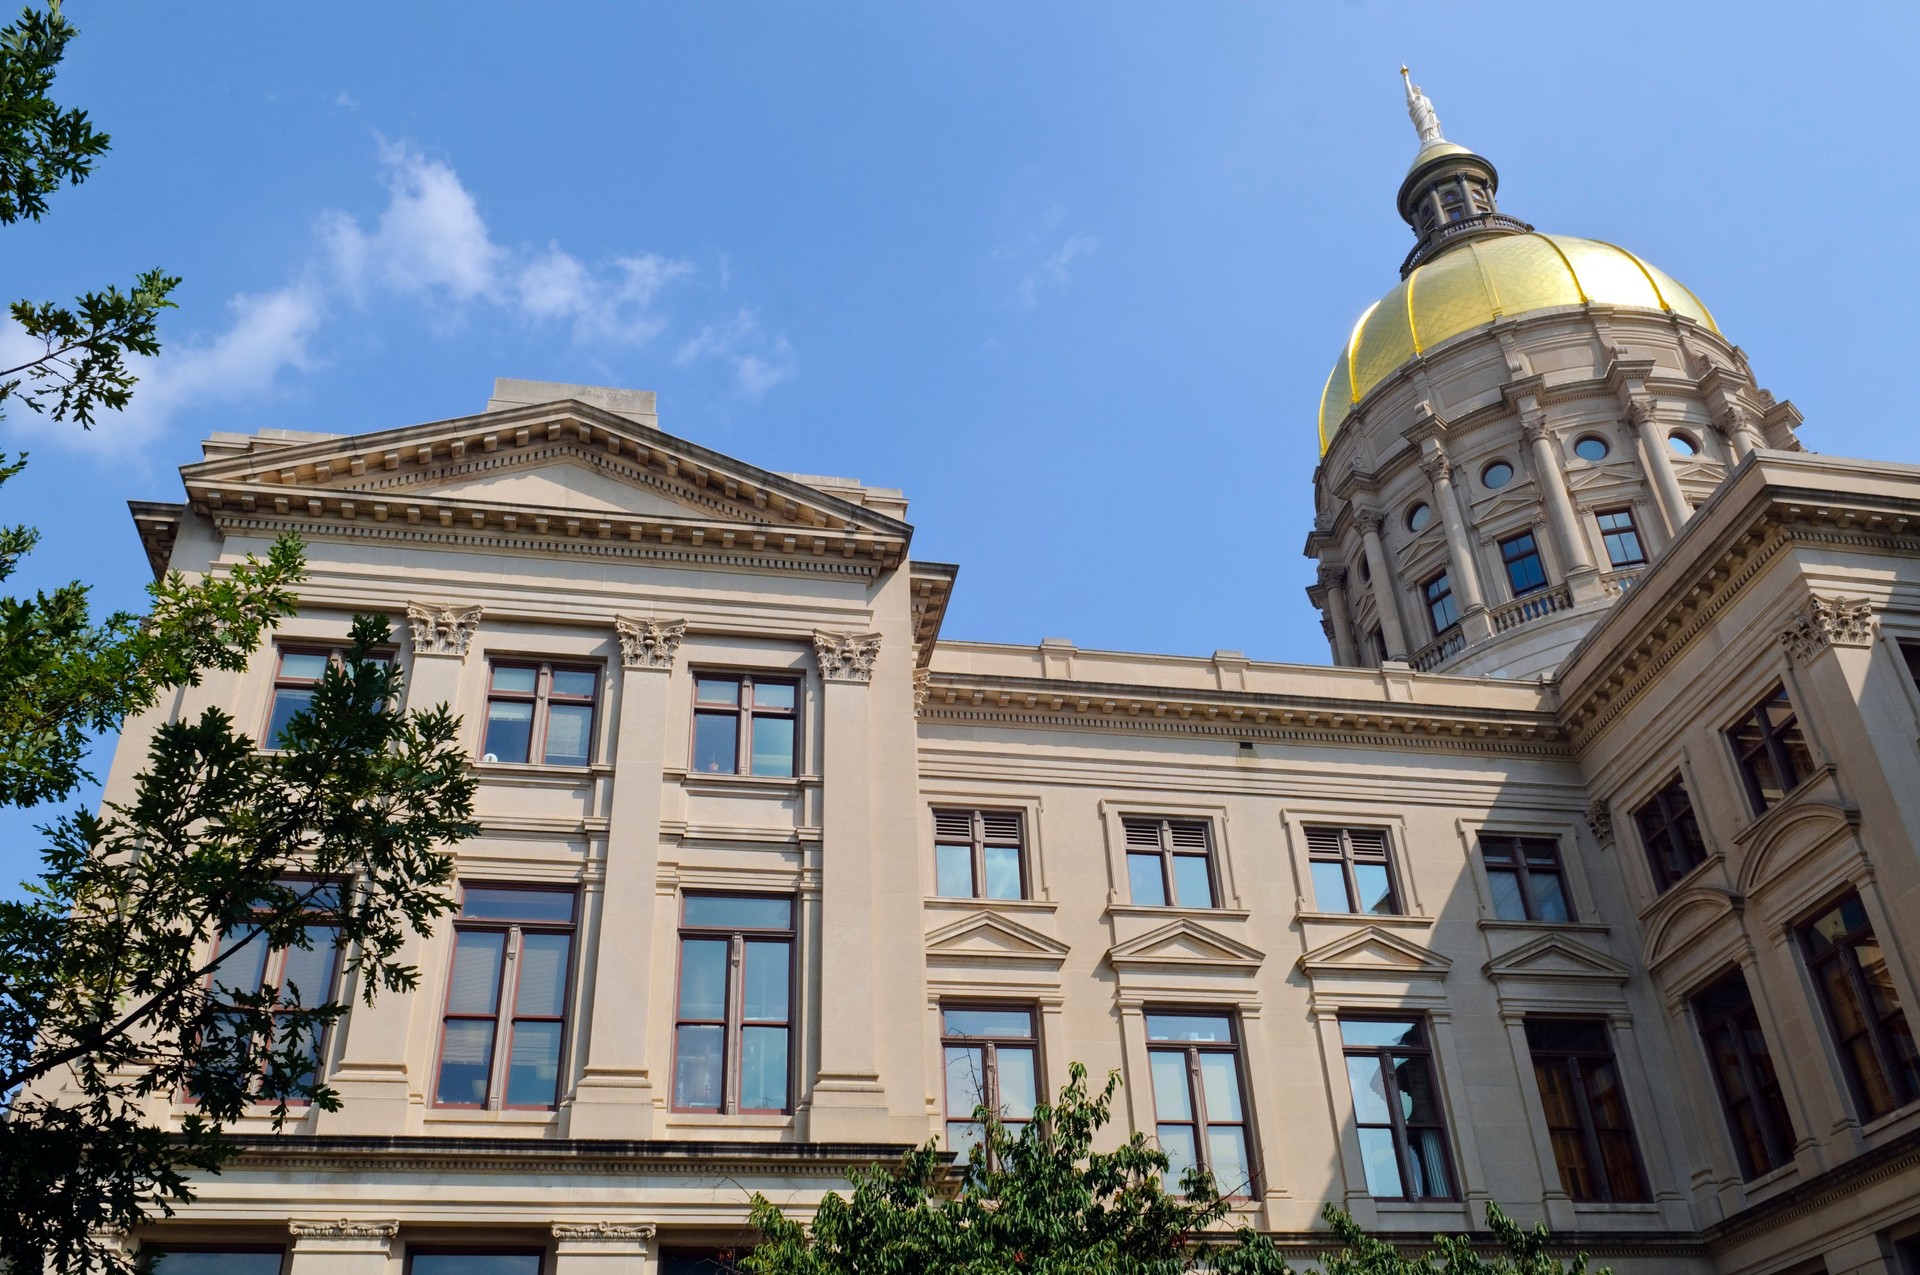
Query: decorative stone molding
<point x="846" y="657"/>
<point x="442" y="630"/>
<point x="1438" y="468"/>
<point x="1333" y="577"/>
<point x="1369" y="520"/>
<point x="922" y="687"/>
<point x="649" y="643"/>
<point x="1824" y="622"/>
<point x="1600" y="821"/>
<point x="342" y="1229"/>
<point x="605" y="1232"/>
<point x="1533" y="426"/>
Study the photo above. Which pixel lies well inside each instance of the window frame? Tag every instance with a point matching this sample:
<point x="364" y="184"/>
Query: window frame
<point x="745" y="711"/>
<point x="1523" y="872"/>
<point x="1771" y="745"/>
<point x="1608" y="536"/>
<point x="164" y="1249"/>
<point x="479" y="1250"/>
<point x="1606" y="448"/>
<point x="1579" y="1086"/>
<point x="1765" y="1099"/>
<point x="1434" y="601"/>
<point x="1168" y="854"/>
<point x="1660" y="821"/>
<point x="335" y="655"/>
<point x="990" y="1062"/>
<point x="1509" y="560"/>
<point x="542" y="698"/>
<point x="733" y="1021"/>
<point x="1347" y="854"/>
<point x="1191" y="1052"/>
<point x="1383" y="1056"/>
<point x="1896" y="1078"/>
<point x="980" y="839"/>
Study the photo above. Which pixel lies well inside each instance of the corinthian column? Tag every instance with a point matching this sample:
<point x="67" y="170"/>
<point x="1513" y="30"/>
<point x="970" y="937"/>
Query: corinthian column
<point x="1475" y="623"/>
<point x="1582" y="576"/>
<point x="1334" y="581"/>
<point x="1666" y="484"/>
<point x="1386" y="598"/>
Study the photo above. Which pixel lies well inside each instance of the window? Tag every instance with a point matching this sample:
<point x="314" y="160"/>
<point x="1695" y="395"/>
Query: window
<point x="700" y="1261"/>
<point x="297" y="975"/>
<point x="1168" y="862"/>
<point x="1396" y="1108"/>
<point x="1440" y="605"/>
<point x="992" y="1061"/>
<point x="490" y="1261"/>
<point x="735" y="1003"/>
<point x="506" y="1015"/>
<point x="1591" y="447"/>
<point x="1352" y="871"/>
<point x="1526" y="878"/>
<point x="543" y="711"/>
<point x="1586" y="1110"/>
<point x="1671" y="834"/>
<point x="1621" y="537"/>
<point x="1496" y="475"/>
<point x="744" y="724"/>
<point x="1198" y="1101"/>
<point x="1522" y="558"/>
<point x="215" y="1261"/>
<point x="1770" y="749"/>
<point x="977" y="854"/>
<point x="1869" y="1030"/>
<point x="1418" y="517"/>
<point x="1910" y="653"/>
<point x="1682" y="444"/>
<point x="299" y="671"/>
<point x="1743" y="1073"/>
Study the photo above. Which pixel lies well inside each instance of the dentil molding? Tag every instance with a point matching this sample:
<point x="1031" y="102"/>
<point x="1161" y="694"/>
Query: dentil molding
<point x="442" y="630"/>
<point x="1825" y="622"/>
<point x="649" y="643"/>
<point x="846" y="657"/>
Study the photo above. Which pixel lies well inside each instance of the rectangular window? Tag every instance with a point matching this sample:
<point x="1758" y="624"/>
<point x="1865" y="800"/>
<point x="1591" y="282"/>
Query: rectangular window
<point x="211" y="1260"/>
<point x="1621" y="538"/>
<point x="1585" y="1109"/>
<point x="1169" y="862"/>
<point x="1910" y="653"/>
<point x="304" y="976"/>
<point x="744" y="724"/>
<point x="1771" y="751"/>
<point x="1526" y="878"/>
<point x="1671" y="834"/>
<point x="734" y="1016"/>
<point x="1199" y="1102"/>
<point x="507" y="997"/>
<point x="1440" y="607"/>
<point x="977" y="854"/>
<point x="1870" y="1030"/>
<point x="1352" y="871"/>
<point x="993" y="1061"/>
<point x="1396" y="1108"/>
<point x="296" y="674"/>
<point x="1524" y="570"/>
<point x="474" y="1261"/>
<point x="1743" y="1073"/>
<point x="541" y="711"/>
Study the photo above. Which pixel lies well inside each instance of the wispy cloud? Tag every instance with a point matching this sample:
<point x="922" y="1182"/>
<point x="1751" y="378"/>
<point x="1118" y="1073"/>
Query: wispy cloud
<point x="1055" y="271"/>
<point x="758" y="363"/>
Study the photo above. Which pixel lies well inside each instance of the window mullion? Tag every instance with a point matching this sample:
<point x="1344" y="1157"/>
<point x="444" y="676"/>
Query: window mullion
<point x="503" y="1021"/>
<point x="1777" y="1144"/>
<point x="1402" y="1144"/>
<point x="1875" y="1029"/>
<point x="733" y="1042"/>
<point x="1197" y="1090"/>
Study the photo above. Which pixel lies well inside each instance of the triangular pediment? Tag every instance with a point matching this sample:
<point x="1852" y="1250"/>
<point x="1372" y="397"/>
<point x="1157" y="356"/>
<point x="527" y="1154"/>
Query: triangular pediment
<point x="572" y="482"/>
<point x="1587" y="476"/>
<point x="985" y="938"/>
<point x="1555" y="956"/>
<point x="1517" y="498"/>
<point x="1373" y="951"/>
<point x="1185" y="944"/>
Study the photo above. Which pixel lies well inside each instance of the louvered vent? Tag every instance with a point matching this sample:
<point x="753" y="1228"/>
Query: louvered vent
<point x="1002" y="826"/>
<point x="953" y="825"/>
<point x="1188" y="834"/>
<point x="1324" y="841"/>
<point x="1143" y="833"/>
<point x="1368" y="842"/>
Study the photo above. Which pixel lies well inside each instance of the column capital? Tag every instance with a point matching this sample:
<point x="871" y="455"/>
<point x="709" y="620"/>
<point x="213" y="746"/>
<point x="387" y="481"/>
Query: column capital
<point x="1438" y="468"/>
<point x="1824" y="622"/>
<point x="649" y="644"/>
<point x="1368" y="519"/>
<point x="846" y="657"/>
<point x="1533" y="425"/>
<point x="604" y="1232"/>
<point x="1333" y="577"/>
<point x="442" y="630"/>
<point x="342" y="1229"/>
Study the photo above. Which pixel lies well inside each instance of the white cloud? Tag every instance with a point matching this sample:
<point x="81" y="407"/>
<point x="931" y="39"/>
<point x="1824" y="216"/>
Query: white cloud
<point x="758" y="365"/>
<point x="1055" y="271"/>
<point x="430" y="238"/>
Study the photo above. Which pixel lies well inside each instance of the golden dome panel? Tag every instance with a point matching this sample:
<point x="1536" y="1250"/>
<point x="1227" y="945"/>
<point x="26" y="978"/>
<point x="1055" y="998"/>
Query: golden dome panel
<point x="1479" y="282"/>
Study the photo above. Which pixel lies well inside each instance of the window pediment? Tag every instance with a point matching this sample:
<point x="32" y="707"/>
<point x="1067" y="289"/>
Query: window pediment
<point x="1185" y="945"/>
<point x="984" y="938"/>
<point x="1555" y="957"/>
<point x="1373" y="951"/>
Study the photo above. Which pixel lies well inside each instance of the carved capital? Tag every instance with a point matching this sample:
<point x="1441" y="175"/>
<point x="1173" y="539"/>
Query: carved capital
<point x="1639" y="411"/>
<point x="1600" y="821"/>
<point x="1439" y="469"/>
<point x="1533" y="426"/>
<point x="1333" y="577"/>
<point x="1825" y="622"/>
<point x="649" y="643"/>
<point x="442" y="630"/>
<point x="1369" y="520"/>
<point x="922" y="687"/>
<point x="846" y="657"/>
<point x="605" y="1232"/>
<point x="342" y="1229"/>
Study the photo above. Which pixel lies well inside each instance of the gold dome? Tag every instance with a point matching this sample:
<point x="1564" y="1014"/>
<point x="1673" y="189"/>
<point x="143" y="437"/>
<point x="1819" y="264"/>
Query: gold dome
<point x="1480" y="281"/>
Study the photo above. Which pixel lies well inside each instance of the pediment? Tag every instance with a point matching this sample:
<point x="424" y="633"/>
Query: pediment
<point x="986" y="938"/>
<point x="1588" y="476"/>
<point x="1371" y="951"/>
<point x="572" y="482"/>
<point x="1557" y="957"/>
<point x="1515" y="500"/>
<point x="1185" y="944"/>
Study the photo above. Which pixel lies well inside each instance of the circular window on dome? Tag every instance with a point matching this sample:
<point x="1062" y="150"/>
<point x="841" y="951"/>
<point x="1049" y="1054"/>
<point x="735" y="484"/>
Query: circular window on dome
<point x="1592" y="447"/>
<point x="1418" y="517"/>
<point x="1496" y="475"/>
<point x="1683" y="444"/>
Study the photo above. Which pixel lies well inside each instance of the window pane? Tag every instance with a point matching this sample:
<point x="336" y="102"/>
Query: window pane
<point x="1414" y="1079"/>
<point x="764" y="995"/>
<point x="509" y="730"/>
<point x="1003" y="872"/>
<point x="966" y="1079"/>
<point x="696" y="1067"/>
<point x="1369" y="1080"/>
<point x="1430" y="1176"/>
<point x="577" y="683"/>
<point x="475" y="985"/>
<point x="310" y="971"/>
<point x="286" y="702"/>
<point x="518" y="681"/>
<point x="717" y="690"/>
<point x="716" y="743"/>
<point x="1381" y="1163"/>
<point x="1549" y="897"/>
<point x="243" y="967"/>
<point x="740" y="911"/>
<point x="1192" y="882"/>
<point x="1378" y="1033"/>
<point x="569" y="734"/>
<point x="773" y="745"/>
<point x="763" y="1069"/>
<point x="703" y="978"/>
<point x="1227" y="1151"/>
<point x="533" y="1065"/>
<point x="963" y="1136"/>
<point x="1018" y="1069"/>
<point x="1330" y="888"/>
<point x="506" y="903"/>
<point x="1568" y="1035"/>
<point x="1507" y="903"/>
<point x="1149" y="888"/>
<point x="1177" y="1141"/>
<point x="476" y="1264"/>
<point x="1005" y="1024"/>
<point x="1376" y="889"/>
<point x="953" y="871"/>
<point x="466" y="1056"/>
<point x="773" y="694"/>
<point x="305" y="664"/>
<point x="543" y="975"/>
<point x="1200" y="1027"/>
<point x="184" y="1262"/>
<point x="1171" y="1098"/>
<point x="1220" y="1081"/>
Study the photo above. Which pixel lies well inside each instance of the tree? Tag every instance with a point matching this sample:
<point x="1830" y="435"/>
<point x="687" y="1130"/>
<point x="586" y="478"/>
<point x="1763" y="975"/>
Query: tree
<point x="1041" y="1200"/>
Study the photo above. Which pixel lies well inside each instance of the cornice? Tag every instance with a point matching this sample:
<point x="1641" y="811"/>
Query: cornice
<point x="932" y="590"/>
<point x="414" y="1153"/>
<point x="1835" y="1188"/>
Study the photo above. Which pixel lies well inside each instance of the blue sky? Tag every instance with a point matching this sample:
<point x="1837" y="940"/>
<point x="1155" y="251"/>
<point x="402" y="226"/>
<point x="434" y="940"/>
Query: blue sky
<point x="1071" y="274"/>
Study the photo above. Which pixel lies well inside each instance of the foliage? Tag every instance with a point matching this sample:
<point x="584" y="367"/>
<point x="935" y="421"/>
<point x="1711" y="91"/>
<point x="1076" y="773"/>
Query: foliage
<point x="1040" y="1199"/>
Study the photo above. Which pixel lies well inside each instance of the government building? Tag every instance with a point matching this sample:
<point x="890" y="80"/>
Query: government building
<point x="1583" y="879"/>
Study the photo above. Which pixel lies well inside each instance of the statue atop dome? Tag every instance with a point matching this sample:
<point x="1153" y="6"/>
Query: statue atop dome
<point x="1420" y="108"/>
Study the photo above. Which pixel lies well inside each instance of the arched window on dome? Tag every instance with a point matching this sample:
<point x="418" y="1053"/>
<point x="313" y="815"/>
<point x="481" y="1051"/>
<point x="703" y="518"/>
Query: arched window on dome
<point x="1683" y="444"/>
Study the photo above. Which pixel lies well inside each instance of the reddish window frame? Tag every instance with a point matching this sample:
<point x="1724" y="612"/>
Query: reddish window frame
<point x="1354" y="846"/>
<point x="542" y="697"/>
<point x="1133" y="829"/>
<point x="1670" y="832"/>
<point x="1385" y="1057"/>
<point x="733" y="1020"/>
<point x="1781" y="742"/>
<point x="744" y="710"/>
<point x="1877" y="1038"/>
<point x="1577" y="1065"/>
<point x="1757" y="1119"/>
<point x="506" y="994"/>
<point x="981" y="833"/>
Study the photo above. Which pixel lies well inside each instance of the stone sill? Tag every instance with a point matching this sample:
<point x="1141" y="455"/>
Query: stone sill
<point x="948" y="903"/>
<point x="718" y="785"/>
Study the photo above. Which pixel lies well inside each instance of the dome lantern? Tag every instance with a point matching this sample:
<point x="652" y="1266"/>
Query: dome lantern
<point x="1448" y="194"/>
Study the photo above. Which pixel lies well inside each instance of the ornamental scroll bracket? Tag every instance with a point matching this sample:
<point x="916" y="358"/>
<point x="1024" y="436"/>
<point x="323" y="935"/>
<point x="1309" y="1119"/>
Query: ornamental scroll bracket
<point x="343" y="1229"/>
<point x="649" y="643"/>
<point x="1600" y="821"/>
<point x="605" y="1232"/>
<point x="1825" y="622"/>
<point x="846" y="657"/>
<point x="442" y="630"/>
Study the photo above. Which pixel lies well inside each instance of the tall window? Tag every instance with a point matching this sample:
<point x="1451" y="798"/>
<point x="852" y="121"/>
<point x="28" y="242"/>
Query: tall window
<point x="214" y="1260"/>
<point x="1351" y="870"/>
<point x="1522" y="558"/>
<point x="1621" y="538"/>
<point x="1440" y="606"/>
<point x="734" y="1018"/>
<point x="542" y="711"/>
<point x="1396" y="1107"/>
<point x="1671" y="834"/>
<point x="1771" y="751"/>
<point x="1743" y="1074"/>
<point x="977" y="854"/>
<point x="1586" y="1110"/>
<point x="1526" y="877"/>
<point x="1198" y="1100"/>
<point x="295" y="975"/>
<point x="744" y="724"/>
<point x="1169" y="862"/>
<point x="1870" y="1031"/>
<point x="992" y="1061"/>
<point x="506" y="1016"/>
